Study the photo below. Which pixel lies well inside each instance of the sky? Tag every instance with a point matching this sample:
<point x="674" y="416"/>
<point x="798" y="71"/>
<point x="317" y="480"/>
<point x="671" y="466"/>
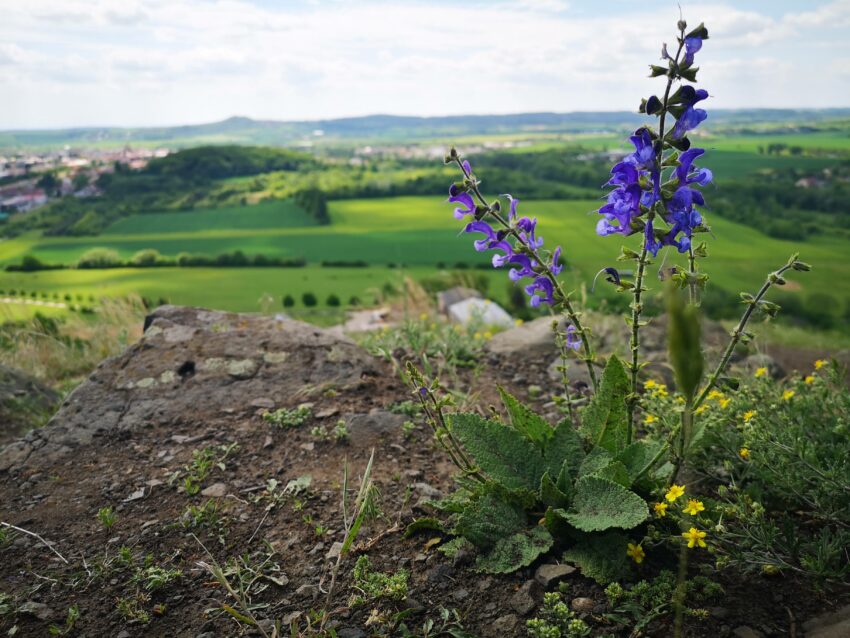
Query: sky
<point x="69" y="63"/>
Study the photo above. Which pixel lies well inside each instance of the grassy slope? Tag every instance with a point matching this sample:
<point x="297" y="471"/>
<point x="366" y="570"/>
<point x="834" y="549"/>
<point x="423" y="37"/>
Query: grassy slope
<point x="417" y="230"/>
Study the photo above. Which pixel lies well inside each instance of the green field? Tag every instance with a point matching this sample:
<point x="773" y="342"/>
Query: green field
<point x="417" y="231"/>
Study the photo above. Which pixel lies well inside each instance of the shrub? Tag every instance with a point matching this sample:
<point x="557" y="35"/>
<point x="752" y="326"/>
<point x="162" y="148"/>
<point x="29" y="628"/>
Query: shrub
<point x="99" y="258"/>
<point x="309" y="299"/>
<point x="288" y="301"/>
<point x="333" y="301"/>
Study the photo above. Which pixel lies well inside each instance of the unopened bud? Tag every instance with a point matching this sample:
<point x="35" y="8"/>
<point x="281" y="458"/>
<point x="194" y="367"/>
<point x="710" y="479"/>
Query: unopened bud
<point x="495" y="206"/>
<point x="801" y="265"/>
<point x="453" y="153"/>
<point x="682" y="25"/>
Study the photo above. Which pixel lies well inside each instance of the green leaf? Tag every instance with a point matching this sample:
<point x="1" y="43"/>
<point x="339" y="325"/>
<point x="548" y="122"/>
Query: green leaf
<point x="617" y="472"/>
<point x="564" y="481"/>
<point x="489" y="520"/>
<point x="604" y="420"/>
<point x="601" y="557"/>
<point x="596" y="460"/>
<point x="638" y="456"/>
<point x="501" y="452"/>
<point x="516" y="551"/>
<point x="685" y="349"/>
<point x="550" y="494"/>
<point x="525" y="420"/>
<point x="452" y="547"/>
<point x="564" y="450"/>
<point x="600" y="504"/>
<point x="424" y="523"/>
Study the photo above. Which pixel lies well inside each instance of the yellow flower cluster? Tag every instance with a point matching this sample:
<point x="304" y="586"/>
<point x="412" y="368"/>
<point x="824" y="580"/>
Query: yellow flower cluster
<point x="655" y="389"/>
<point x="820" y="363"/>
<point x="650" y="419"/>
<point x="744" y="453"/>
<point x="810" y="379"/>
<point x="748" y="415"/>
<point x="788" y="395"/>
<point x="760" y="372"/>
<point x="693" y="507"/>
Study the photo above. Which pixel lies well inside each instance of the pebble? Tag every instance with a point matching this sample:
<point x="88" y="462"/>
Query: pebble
<point x="746" y="632"/>
<point x="351" y="632"/>
<point x="582" y="604"/>
<point x="834" y="625"/>
<point x="522" y="602"/>
<point x="504" y="625"/>
<point x="548" y="575"/>
<point x="216" y="490"/>
<point x="32" y="608"/>
<point x="460" y="594"/>
<point x="307" y="590"/>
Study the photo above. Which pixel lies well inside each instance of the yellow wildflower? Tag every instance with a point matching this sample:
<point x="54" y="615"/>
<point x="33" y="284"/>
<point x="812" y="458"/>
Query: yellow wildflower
<point x="716" y="394"/>
<point x="744" y="453"/>
<point x="748" y="415"/>
<point x="423" y="316"/>
<point x="648" y="385"/>
<point x="694" y="537"/>
<point x="788" y="395"/>
<point x="694" y="507"/>
<point x="809" y="379"/>
<point x="661" y="391"/>
<point x="674" y="492"/>
<point x="636" y="552"/>
<point x="701" y="409"/>
<point x="724" y="402"/>
<point x="477" y="335"/>
<point x="660" y="509"/>
<point x="488" y="335"/>
<point x="680" y="400"/>
<point x="820" y="363"/>
<point x="650" y="419"/>
<point x="760" y="372"/>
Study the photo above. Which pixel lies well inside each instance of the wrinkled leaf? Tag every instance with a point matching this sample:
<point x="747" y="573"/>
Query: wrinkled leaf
<point x="604" y="420"/>
<point x="596" y="460"/>
<point x="601" y="557"/>
<point x="525" y="420"/>
<point x="638" y="456"/>
<point x="601" y="504"/>
<point x="550" y="494"/>
<point x="516" y="551"/>
<point x="501" y="452"/>
<point x="564" y="450"/>
<point x="489" y="519"/>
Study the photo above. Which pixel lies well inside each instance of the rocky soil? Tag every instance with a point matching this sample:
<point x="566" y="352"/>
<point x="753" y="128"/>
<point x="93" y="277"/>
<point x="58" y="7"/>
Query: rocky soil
<point x="200" y="381"/>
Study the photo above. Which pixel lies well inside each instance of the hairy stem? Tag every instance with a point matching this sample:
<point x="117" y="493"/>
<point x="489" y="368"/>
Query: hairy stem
<point x="692" y="271"/>
<point x="772" y="278"/>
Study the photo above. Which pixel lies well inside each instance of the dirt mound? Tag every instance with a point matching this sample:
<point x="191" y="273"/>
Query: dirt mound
<point x="171" y="436"/>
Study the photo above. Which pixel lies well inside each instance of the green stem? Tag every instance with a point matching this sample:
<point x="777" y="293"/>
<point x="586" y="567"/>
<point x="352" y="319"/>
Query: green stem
<point x="634" y="343"/>
<point x="683" y="438"/>
<point x="772" y="278"/>
<point x="692" y="268"/>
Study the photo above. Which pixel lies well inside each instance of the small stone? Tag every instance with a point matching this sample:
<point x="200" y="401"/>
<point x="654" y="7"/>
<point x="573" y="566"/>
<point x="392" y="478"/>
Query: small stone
<point x="324" y="413"/>
<point x="333" y="552"/>
<point x="746" y="632"/>
<point x="309" y="446"/>
<point x="306" y="591"/>
<point x="135" y="496"/>
<point x="32" y="608"/>
<point x="427" y="490"/>
<point x="504" y="625"/>
<point x="262" y="402"/>
<point x="460" y="594"/>
<point x="351" y="632"/>
<point x="124" y="634"/>
<point x="268" y="442"/>
<point x="582" y="604"/>
<point x="548" y="575"/>
<point x="216" y="490"/>
<point x="522" y="602"/>
<point x="534" y="391"/>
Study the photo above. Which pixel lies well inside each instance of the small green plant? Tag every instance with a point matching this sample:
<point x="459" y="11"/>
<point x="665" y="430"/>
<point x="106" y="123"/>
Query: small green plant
<point x="338" y="433"/>
<point x="203" y="462"/>
<point x="133" y="608"/>
<point x="373" y="586"/>
<point x="152" y="577"/>
<point x="70" y="620"/>
<point x="107" y="517"/>
<point x="289" y="418"/>
<point x="449" y="624"/>
<point x="556" y="620"/>
<point x="206" y="517"/>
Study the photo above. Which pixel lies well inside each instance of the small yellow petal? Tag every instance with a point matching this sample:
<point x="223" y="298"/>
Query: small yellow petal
<point x="674" y="492"/>
<point x="744" y="453"/>
<point x="809" y="379"/>
<point x="760" y="372"/>
<point x="788" y="395"/>
<point x="819" y="364"/>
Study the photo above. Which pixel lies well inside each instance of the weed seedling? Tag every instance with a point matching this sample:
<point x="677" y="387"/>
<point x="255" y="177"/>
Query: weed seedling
<point x="107" y="518"/>
<point x="289" y="418"/>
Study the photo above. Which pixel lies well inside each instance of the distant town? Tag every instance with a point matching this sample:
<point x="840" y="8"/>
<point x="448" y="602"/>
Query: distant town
<point x="30" y="180"/>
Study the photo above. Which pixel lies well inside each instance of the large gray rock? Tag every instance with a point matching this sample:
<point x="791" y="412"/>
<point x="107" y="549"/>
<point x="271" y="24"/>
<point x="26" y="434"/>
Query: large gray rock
<point x="190" y="358"/>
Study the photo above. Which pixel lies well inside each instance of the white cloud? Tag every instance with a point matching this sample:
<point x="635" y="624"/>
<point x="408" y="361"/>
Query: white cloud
<point x="163" y="61"/>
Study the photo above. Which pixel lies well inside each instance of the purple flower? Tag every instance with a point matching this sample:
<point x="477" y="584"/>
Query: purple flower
<point x="527" y="269"/>
<point x="652" y="244"/>
<point x="691" y="117"/>
<point x="573" y="340"/>
<point x="692" y="47"/>
<point x="644" y="155"/>
<point x="526" y="229"/>
<point x="623" y="204"/>
<point x="623" y="174"/>
<point x="689" y="174"/>
<point x="541" y="285"/>
<point x="456" y="196"/>
<point x="556" y="268"/>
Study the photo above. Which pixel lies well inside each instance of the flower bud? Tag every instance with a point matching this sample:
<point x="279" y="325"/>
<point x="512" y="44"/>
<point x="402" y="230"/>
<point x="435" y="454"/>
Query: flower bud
<point x="681" y="25"/>
<point x="800" y="265"/>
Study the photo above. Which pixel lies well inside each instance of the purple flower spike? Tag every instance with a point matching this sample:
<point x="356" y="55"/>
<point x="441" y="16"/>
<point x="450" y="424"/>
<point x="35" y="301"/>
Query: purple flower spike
<point x="556" y="268"/>
<point x="692" y="47"/>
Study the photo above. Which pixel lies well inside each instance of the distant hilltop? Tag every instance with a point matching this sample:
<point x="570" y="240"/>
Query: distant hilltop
<point x="389" y="128"/>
